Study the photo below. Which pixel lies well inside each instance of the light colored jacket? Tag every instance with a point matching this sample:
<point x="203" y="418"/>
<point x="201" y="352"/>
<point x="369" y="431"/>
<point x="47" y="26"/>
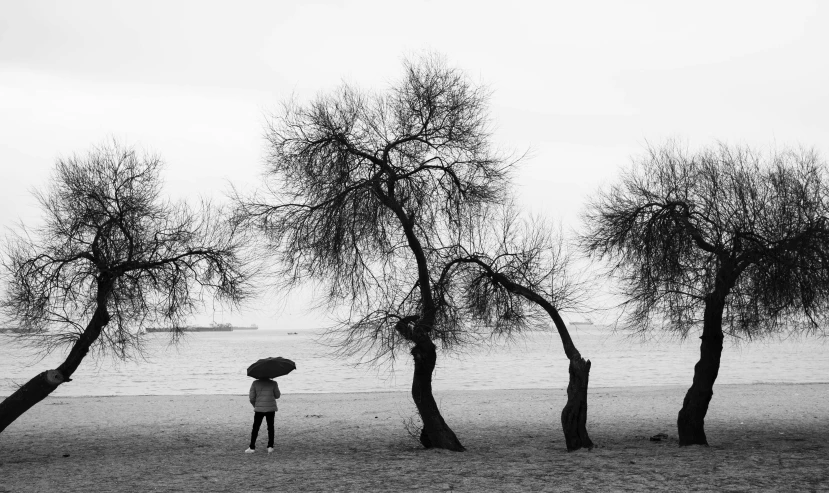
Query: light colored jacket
<point x="263" y="395"/>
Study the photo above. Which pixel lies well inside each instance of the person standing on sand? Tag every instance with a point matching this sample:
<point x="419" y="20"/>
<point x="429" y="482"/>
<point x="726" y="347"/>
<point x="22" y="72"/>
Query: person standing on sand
<point x="263" y="395"/>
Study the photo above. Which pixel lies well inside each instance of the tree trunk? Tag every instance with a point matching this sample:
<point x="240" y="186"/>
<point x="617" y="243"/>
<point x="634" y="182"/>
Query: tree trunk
<point x="574" y="414"/>
<point x="435" y="433"/>
<point x="39" y="387"/>
<point x="691" y="420"/>
<point x="29" y="394"/>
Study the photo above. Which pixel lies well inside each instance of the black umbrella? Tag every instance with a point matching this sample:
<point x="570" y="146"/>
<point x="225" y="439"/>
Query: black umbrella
<point x="271" y="367"/>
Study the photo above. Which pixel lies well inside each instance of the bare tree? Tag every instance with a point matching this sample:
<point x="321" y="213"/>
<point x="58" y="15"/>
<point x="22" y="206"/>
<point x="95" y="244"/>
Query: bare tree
<point x="514" y="273"/>
<point x="726" y="238"/>
<point x="367" y="194"/>
<point x="111" y="256"/>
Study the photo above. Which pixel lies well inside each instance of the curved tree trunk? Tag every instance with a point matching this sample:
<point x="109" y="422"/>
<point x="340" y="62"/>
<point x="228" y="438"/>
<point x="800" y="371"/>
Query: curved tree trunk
<point x="574" y="414"/>
<point x="435" y="433"/>
<point x="691" y="420"/>
<point x="39" y="387"/>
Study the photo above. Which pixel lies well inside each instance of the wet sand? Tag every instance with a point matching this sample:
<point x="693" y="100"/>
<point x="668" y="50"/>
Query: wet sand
<point x="763" y="438"/>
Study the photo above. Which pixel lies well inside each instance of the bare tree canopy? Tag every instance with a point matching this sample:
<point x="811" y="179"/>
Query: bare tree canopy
<point x="728" y="239"/>
<point x="111" y="257"/>
<point x="368" y="193"/>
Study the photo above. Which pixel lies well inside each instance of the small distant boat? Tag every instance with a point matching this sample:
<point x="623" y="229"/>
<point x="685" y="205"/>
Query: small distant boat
<point x="586" y="321"/>
<point x="293" y="333"/>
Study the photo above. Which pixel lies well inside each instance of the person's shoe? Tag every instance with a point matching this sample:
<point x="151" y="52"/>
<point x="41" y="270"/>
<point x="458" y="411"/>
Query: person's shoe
<point x="250" y="450"/>
<point x="270" y="450"/>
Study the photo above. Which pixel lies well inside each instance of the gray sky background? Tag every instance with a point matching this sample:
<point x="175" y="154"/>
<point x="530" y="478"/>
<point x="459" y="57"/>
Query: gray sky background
<point x="582" y="85"/>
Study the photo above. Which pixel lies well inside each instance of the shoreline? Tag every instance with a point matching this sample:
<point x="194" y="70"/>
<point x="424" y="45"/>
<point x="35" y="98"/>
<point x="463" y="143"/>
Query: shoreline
<point x="762" y="437"/>
<point x="535" y="362"/>
<point x="591" y="389"/>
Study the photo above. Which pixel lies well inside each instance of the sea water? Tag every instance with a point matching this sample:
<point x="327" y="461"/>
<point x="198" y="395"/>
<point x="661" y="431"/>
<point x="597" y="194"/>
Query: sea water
<point x="215" y="363"/>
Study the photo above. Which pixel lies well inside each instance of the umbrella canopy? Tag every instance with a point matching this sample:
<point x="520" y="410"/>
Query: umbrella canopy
<point x="271" y="367"/>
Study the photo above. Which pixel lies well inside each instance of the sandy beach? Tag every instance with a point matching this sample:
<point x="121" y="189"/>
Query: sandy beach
<point x="763" y="438"/>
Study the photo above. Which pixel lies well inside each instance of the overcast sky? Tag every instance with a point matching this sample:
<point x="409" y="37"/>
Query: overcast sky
<point x="582" y="85"/>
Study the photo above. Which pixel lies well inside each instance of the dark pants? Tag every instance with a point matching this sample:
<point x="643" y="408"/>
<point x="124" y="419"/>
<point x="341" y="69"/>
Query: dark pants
<point x="257" y="422"/>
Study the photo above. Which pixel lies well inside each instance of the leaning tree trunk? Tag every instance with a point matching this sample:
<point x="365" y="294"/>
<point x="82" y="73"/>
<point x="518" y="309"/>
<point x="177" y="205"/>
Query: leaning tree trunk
<point x="435" y="433"/>
<point x="39" y="387"/>
<point x="691" y="420"/>
<point x="574" y="414"/>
